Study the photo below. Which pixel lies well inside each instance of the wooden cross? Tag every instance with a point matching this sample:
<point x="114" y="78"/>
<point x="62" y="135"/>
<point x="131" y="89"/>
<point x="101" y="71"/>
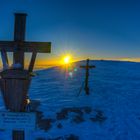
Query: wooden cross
<point x="19" y="46"/>
<point x="87" y="67"/>
<point x="14" y="82"/>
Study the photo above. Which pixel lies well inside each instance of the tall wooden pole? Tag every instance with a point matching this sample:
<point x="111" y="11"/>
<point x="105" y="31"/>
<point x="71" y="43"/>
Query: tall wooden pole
<point x="19" y="36"/>
<point x="86" y="78"/>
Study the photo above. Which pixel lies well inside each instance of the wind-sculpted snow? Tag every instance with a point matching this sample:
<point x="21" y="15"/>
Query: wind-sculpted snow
<point x="113" y="104"/>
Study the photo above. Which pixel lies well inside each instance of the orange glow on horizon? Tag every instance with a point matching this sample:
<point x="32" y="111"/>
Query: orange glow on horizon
<point x="63" y="60"/>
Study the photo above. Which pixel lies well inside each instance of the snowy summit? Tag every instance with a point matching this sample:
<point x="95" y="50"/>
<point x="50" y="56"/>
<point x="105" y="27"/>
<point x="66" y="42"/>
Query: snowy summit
<point x="110" y="112"/>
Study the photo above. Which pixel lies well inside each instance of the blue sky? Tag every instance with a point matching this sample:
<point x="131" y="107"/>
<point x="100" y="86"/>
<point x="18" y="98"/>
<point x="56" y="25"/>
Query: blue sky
<point x="83" y="28"/>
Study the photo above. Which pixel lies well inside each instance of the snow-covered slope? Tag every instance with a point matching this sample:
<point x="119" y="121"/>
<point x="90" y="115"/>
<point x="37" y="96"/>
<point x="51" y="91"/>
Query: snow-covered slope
<point x="110" y="112"/>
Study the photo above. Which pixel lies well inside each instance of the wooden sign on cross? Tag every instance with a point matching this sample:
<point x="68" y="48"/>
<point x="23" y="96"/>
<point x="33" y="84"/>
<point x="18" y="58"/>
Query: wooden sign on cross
<point x="87" y="67"/>
<point x="15" y="80"/>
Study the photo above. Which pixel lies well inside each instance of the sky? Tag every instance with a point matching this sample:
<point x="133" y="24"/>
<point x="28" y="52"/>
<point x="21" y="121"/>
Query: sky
<point x="95" y="29"/>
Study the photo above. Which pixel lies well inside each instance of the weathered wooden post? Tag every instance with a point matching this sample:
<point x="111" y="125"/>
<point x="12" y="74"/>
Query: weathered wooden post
<point x="15" y="80"/>
<point x="87" y="67"/>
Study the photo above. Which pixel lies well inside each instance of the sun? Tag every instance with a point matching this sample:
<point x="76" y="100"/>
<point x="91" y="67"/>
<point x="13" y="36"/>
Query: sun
<point x="66" y="59"/>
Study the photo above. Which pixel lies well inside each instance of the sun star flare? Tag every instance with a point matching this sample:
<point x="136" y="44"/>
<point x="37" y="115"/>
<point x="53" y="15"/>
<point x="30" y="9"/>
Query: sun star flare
<point x="67" y="59"/>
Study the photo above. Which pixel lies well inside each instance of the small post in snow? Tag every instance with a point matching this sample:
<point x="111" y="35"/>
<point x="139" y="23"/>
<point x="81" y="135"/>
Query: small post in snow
<point x="87" y="67"/>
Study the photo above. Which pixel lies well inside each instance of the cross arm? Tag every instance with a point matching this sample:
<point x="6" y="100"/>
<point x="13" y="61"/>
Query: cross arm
<point x="40" y="47"/>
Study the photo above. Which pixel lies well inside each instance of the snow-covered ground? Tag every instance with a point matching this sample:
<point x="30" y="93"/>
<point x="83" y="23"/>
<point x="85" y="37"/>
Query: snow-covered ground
<point x="110" y="112"/>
